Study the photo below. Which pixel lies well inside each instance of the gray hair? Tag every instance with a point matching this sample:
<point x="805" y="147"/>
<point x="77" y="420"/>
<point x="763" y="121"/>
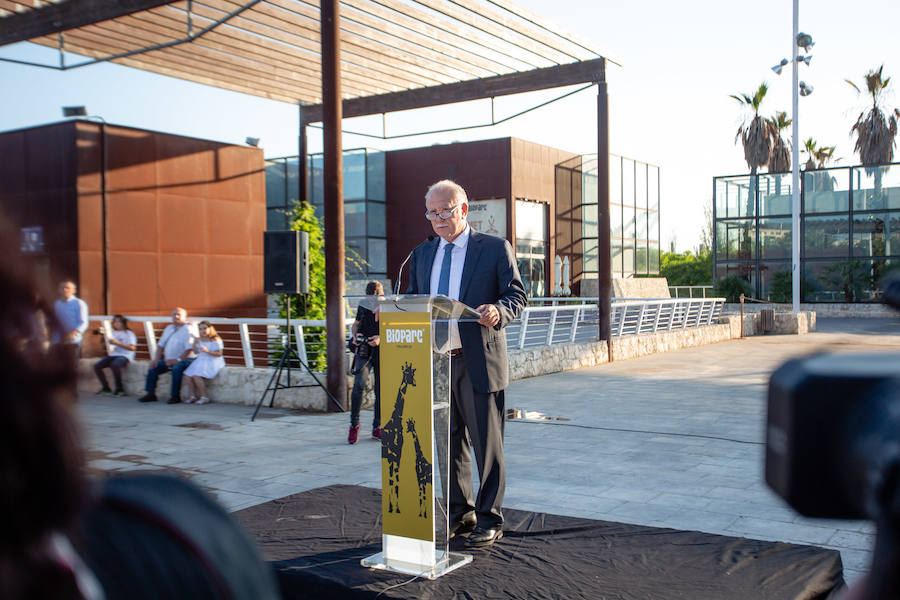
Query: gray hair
<point x="449" y="187"/>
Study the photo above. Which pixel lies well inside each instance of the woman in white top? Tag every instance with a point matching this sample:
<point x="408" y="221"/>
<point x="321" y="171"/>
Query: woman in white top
<point x="210" y="360"/>
<point x="121" y="347"/>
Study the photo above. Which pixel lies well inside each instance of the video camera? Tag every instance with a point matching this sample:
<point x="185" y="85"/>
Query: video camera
<point x="833" y="444"/>
<point x="362" y="352"/>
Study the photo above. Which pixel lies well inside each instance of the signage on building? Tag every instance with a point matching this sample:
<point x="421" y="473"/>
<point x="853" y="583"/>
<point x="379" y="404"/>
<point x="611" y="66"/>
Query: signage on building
<point x="32" y="240"/>
<point x="488" y="216"/>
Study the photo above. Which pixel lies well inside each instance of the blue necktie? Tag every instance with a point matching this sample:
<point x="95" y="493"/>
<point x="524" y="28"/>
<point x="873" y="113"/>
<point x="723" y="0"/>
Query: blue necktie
<point x="444" y="281"/>
<point x="441" y="328"/>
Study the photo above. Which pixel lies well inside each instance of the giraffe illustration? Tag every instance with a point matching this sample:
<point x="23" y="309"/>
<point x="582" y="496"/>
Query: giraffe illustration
<point x="392" y="439"/>
<point x="423" y="468"/>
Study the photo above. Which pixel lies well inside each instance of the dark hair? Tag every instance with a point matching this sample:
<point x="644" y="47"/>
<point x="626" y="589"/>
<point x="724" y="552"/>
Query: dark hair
<point x="373" y="286"/>
<point x="41" y="460"/>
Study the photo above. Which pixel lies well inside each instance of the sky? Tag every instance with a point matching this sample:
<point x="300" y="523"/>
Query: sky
<point x="669" y="100"/>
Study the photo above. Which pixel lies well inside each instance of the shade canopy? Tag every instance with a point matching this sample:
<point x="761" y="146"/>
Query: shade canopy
<point x="271" y="48"/>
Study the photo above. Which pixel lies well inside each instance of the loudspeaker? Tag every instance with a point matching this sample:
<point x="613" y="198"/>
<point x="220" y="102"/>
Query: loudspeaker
<point x="285" y="262"/>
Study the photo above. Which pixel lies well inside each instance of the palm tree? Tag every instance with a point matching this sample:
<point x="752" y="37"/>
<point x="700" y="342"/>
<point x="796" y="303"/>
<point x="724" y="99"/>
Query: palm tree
<point x="754" y="135"/>
<point x="816" y="158"/>
<point x="780" y="160"/>
<point x="875" y="132"/>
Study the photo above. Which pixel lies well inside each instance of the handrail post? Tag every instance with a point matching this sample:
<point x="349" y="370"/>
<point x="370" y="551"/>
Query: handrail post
<point x="659" y="306"/>
<point x="525" y="314"/>
<point x="574" y="325"/>
<point x="622" y="320"/>
<point x="301" y="343"/>
<point x="151" y="339"/>
<point x="245" y="345"/>
<point x="640" y="321"/>
<point x="552" y="326"/>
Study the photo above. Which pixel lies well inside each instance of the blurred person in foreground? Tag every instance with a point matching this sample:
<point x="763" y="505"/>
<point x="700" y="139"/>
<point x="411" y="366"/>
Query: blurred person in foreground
<point x="64" y="537"/>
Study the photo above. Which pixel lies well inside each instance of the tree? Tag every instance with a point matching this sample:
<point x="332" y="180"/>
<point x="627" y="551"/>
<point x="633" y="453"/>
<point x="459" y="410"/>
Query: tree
<point x="875" y="132"/>
<point x="754" y="133"/>
<point x="817" y="158"/>
<point x="780" y="159"/>
<point x="687" y="268"/>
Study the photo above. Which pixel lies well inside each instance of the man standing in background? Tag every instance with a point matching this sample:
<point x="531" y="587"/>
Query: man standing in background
<point x="71" y="320"/>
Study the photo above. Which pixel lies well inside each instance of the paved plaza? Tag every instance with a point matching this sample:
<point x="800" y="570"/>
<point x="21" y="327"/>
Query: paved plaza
<point x="670" y="440"/>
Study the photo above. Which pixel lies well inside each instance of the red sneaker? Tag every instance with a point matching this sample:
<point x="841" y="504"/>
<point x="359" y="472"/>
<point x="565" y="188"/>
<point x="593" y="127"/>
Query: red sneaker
<point x="376" y="433"/>
<point x="353" y="435"/>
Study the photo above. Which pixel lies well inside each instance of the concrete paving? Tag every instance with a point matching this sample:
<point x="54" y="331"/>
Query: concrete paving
<point x="671" y="440"/>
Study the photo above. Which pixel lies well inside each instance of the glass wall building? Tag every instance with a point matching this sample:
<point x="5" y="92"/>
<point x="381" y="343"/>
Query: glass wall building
<point x="849" y="232"/>
<point x="364" y="205"/>
<point x="634" y="216"/>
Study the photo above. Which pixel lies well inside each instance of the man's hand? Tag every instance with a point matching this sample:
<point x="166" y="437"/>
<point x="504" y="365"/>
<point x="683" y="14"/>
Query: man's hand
<point x="171" y="361"/>
<point x="374" y="340"/>
<point x="490" y="316"/>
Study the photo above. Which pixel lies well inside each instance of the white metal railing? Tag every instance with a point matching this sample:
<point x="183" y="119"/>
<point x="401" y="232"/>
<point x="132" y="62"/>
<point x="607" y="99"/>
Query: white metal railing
<point x="567" y="323"/>
<point x="690" y="291"/>
<point x="252" y="342"/>
<point x="248" y="342"/>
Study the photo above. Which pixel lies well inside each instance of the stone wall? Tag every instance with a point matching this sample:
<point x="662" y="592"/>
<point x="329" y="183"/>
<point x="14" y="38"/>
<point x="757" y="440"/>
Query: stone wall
<point x="640" y="287"/>
<point x="824" y="309"/>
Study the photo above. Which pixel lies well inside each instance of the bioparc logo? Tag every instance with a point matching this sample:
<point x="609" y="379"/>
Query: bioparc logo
<point x="395" y="335"/>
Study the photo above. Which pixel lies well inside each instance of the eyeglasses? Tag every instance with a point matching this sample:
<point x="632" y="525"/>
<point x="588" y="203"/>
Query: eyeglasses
<point x="443" y="214"/>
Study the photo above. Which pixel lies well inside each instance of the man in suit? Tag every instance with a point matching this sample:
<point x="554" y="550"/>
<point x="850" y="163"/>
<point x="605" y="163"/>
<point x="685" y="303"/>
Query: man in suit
<point x="478" y="270"/>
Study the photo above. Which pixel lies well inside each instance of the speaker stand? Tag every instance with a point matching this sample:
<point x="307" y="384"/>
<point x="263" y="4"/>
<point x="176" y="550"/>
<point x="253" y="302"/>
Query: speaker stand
<point x="289" y="352"/>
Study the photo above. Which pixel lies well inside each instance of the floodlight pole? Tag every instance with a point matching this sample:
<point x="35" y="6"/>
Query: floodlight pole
<point x="795" y="167"/>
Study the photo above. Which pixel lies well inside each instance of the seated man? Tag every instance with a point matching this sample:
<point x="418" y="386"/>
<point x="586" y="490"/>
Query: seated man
<point x="174" y="352"/>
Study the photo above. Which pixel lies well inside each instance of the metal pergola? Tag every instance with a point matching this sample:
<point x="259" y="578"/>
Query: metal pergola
<point x="332" y="59"/>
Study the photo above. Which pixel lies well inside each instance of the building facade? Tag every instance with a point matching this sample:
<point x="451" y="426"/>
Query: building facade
<point x="849" y="232"/>
<point x="541" y="199"/>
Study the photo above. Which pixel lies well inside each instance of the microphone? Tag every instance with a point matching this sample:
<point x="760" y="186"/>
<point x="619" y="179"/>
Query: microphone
<point x="430" y="238"/>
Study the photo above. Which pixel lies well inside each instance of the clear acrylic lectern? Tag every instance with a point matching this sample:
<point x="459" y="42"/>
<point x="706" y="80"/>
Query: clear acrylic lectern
<point x="415" y="439"/>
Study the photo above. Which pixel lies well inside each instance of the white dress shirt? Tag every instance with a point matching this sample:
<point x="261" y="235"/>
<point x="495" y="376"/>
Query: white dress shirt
<point x="175" y="340"/>
<point x="458" y="261"/>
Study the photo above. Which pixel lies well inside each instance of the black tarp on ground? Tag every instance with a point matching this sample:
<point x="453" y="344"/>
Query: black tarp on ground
<point x="316" y="539"/>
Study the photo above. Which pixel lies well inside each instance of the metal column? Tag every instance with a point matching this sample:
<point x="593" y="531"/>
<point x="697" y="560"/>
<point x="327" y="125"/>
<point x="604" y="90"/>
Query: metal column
<point x="334" y="200"/>
<point x="605" y="265"/>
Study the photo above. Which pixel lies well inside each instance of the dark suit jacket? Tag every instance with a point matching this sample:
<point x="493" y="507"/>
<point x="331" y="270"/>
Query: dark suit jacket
<point x="490" y="276"/>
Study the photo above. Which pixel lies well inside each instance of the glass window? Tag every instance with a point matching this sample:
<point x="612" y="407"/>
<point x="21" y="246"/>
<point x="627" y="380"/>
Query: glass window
<point x="735" y="240"/>
<point x="531" y="257"/>
<point x="826" y="236"/>
<point x="615" y="179"/>
<point x="375" y="175"/>
<point x="876" y="188"/>
<point x="531" y="220"/>
<point x="591" y="261"/>
<point x="640" y="257"/>
<point x="375" y="221"/>
<point x="653" y="187"/>
<point x="616" y="257"/>
<point x="876" y="234"/>
<point x="276" y="219"/>
<point x="355" y="175"/>
<point x="640" y="185"/>
<point x="774" y="195"/>
<point x="627" y="182"/>
<point x="627" y="257"/>
<point x="641" y="224"/>
<point x="653" y="226"/>
<point x="275" y="180"/>
<point x="292" y="168"/>
<point x="774" y="238"/>
<point x="628" y="222"/>
<point x="355" y="219"/>
<point x="356" y="257"/>
<point x="377" y="256"/>
<point x="615" y="220"/>
<point x="825" y="191"/>
<point x="316" y="179"/>
<point x="590" y="221"/>
<point x="848" y="280"/>
<point x="775" y="282"/>
<point x="589" y="188"/>
<point x="653" y="256"/>
<point x="735" y="197"/>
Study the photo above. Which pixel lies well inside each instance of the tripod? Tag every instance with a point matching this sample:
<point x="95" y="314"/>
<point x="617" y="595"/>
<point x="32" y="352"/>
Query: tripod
<point x="285" y="360"/>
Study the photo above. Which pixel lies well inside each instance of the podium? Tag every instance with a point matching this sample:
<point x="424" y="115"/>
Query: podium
<point x="415" y="433"/>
